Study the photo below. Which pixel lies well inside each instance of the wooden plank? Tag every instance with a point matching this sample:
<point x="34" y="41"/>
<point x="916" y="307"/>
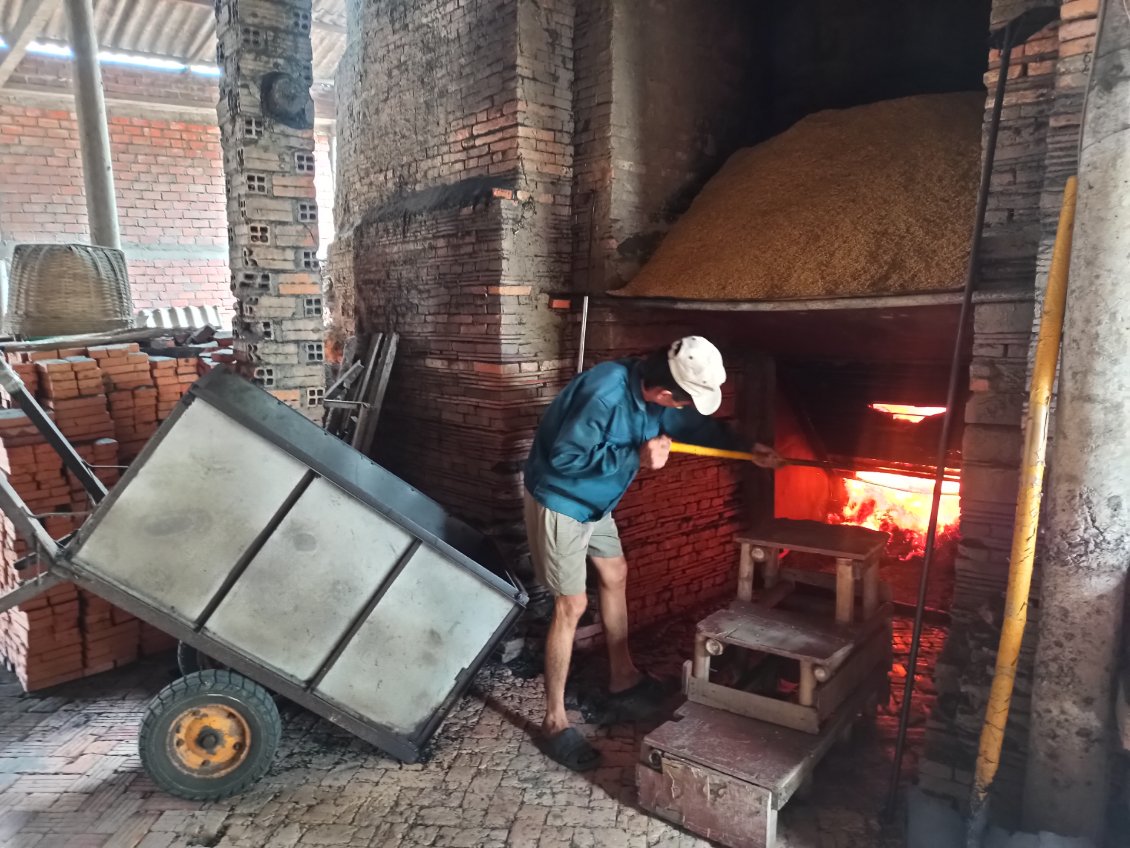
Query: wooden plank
<point x="745" y="574"/>
<point x="845" y="592"/>
<point x="365" y="387"/>
<point x="377" y="393"/>
<point x="836" y="540"/>
<point x="774" y="596"/>
<point x="713" y="805"/>
<point x="31" y="23"/>
<point x="870" y="588"/>
<point x="701" y="667"/>
<point x="827" y="580"/>
<point x="871" y="662"/>
<point x="772" y="566"/>
<point x="780" y="632"/>
<point x="752" y="705"/>
<point x="806" y="693"/>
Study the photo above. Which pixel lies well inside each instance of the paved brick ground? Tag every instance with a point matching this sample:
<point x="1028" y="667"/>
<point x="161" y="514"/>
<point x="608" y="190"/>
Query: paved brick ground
<point x="70" y="777"/>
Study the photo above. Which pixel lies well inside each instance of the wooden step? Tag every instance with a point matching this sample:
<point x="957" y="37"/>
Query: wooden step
<point x="842" y="541"/>
<point x="794" y="635"/>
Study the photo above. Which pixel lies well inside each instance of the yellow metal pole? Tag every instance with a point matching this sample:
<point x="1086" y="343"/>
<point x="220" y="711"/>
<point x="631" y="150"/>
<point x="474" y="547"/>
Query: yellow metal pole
<point x="1027" y="507"/>
<point x="717" y="453"/>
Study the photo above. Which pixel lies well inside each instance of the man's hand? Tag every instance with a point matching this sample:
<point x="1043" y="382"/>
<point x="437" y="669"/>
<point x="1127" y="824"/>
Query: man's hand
<point x="654" y="453"/>
<point x="766" y="457"/>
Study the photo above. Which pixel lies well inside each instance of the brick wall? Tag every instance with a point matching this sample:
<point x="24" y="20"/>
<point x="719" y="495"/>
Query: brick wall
<point x="170" y="198"/>
<point x="167" y="171"/>
<point x="453" y="229"/>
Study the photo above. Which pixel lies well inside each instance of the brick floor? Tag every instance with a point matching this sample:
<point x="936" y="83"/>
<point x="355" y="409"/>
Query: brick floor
<point x="70" y="776"/>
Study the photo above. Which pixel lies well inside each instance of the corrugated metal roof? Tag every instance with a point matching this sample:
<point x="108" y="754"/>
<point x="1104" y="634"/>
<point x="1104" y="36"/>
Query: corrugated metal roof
<point x="178" y="29"/>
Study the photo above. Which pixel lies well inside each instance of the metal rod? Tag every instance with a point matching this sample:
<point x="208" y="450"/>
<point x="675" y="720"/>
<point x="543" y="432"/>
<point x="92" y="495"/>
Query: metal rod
<point x="825" y="464"/>
<point x="584" y="332"/>
<point x="31" y="589"/>
<point x="94" y="131"/>
<point x="948" y="418"/>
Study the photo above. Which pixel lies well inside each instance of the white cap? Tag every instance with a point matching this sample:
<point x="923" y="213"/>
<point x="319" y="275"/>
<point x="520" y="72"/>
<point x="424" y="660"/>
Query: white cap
<point x="697" y="367"/>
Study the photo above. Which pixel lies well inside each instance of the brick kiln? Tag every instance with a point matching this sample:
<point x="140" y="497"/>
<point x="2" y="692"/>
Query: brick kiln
<point x="550" y="148"/>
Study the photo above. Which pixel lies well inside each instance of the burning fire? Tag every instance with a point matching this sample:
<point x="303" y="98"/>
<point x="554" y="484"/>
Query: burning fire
<point x="900" y="505"/>
<point x="903" y="412"/>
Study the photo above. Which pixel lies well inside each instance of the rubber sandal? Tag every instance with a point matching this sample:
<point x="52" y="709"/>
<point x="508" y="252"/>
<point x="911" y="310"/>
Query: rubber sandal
<point x="647" y="689"/>
<point x="570" y="749"/>
<point x="642" y="702"/>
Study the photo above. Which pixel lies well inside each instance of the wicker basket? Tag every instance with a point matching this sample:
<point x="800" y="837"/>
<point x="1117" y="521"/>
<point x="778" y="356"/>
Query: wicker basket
<point x="67" y="289"/>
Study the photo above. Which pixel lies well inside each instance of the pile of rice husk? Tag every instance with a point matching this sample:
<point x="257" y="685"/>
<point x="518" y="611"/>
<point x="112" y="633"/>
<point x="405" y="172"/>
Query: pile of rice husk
<point x="878" y="199"/>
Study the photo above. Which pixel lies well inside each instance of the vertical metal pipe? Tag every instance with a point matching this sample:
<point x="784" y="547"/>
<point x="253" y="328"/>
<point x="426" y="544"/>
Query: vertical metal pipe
<point x="94" y="130"/>
<point x="947" y="423"/>
<point x="584" y="332"/>
<point x="1027" y="517"/>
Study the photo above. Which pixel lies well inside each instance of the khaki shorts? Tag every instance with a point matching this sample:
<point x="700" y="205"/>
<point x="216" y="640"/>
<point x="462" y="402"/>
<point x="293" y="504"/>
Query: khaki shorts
<point x="560" y="545"/>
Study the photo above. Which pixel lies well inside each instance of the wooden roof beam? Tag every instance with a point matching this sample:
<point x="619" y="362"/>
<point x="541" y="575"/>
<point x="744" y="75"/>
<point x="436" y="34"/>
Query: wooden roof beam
<point x="30" y="25"/>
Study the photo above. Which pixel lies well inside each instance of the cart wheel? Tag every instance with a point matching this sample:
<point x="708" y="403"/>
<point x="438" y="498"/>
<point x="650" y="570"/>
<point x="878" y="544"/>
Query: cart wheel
<point x="209" y="735"/>
<point x="191" y="660"/>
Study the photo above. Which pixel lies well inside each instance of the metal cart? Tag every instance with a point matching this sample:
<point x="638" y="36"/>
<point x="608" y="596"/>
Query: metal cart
<point x="253" y="536"/>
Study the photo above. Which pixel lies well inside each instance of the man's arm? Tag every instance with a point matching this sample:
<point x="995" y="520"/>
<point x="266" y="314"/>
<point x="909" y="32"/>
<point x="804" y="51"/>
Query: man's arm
<point x="582" y="448"/>
<point x="688" y="425"/>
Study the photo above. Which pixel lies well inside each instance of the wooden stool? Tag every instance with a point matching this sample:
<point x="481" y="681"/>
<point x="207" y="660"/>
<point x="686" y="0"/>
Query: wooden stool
<point x="855" y="549"/>
<point x="836" y="660"/>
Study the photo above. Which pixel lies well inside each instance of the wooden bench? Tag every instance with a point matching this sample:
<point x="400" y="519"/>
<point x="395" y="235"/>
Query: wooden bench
<point x="856" y="551"/>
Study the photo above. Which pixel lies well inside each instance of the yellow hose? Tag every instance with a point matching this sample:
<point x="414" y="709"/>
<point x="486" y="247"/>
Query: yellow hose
<point x="1028" y="505"/>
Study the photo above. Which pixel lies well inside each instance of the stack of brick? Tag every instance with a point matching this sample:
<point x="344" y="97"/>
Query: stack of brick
<point x="42" y="639"/>
<point x="111" y="637"/>
<point x="107" y="401"/>
<point x="132" y="395"/>
<point x="171" y="377"/>
<point x="72" y="391"/>
<point x="102" y="456"/>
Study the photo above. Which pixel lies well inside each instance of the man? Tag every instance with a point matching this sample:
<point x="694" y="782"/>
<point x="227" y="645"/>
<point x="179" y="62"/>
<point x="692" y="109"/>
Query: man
<point x="607" y="423"/>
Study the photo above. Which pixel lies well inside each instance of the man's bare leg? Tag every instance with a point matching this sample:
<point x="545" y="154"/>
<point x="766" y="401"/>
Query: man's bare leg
<point x="567" y="612"/>
<point x="613" y="573"/>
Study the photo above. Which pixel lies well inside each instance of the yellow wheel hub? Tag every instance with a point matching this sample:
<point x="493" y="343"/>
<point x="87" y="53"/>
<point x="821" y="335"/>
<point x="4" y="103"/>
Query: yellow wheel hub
<point x="209" y="740"/>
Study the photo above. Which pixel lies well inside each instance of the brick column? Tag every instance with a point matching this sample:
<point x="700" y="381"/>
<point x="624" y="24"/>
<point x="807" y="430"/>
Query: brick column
<point x="266" y="125"/>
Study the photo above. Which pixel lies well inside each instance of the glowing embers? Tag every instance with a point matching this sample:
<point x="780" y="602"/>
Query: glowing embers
<point x="904" y="412"/>
<point x="900" y="505"/>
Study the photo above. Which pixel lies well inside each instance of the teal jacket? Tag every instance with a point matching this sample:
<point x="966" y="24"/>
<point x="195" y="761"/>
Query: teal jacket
<point x="586" y="450"/>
